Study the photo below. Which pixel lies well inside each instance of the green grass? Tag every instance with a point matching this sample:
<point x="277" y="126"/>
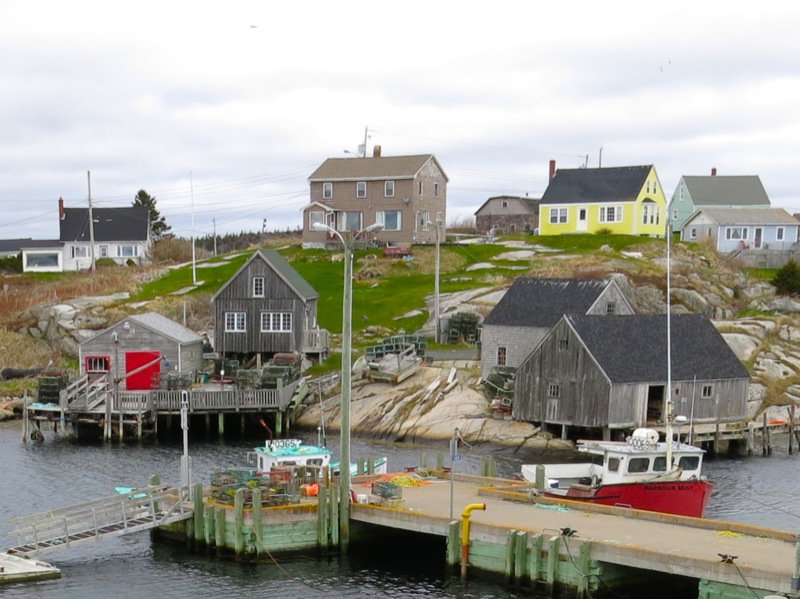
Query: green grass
<point x="762" y="274"/>
<point x="582" y="243"/>
<point x="179" y="278"/>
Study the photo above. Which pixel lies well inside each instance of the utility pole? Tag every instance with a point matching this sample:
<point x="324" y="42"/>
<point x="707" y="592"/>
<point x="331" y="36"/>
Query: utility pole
<point x="91" y="220"/>
<point x="437" y="315"/>
<point x="214" y="221"/>
<point x="600" y="158"/>
<point x="364" y="152"/>
<point x="194" y="267"/>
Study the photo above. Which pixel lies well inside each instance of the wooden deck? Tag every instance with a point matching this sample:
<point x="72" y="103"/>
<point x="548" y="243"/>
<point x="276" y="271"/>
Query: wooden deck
<point x="764" y="558"/>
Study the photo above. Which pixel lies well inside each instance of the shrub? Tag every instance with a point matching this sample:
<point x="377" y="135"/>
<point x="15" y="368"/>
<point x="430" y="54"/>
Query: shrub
<point x="171" y="249"/>
<point x="11" y="263"/>
<point x="603" y="231"/>
<point x="787" y="279"/>
<point x="105" y="263"/>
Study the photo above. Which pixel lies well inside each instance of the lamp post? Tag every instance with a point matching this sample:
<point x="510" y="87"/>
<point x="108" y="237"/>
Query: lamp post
<point x="347" y="238"/>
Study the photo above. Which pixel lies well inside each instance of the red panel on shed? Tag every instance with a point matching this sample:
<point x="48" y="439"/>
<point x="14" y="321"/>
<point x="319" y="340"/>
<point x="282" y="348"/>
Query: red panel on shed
<point x="142" y="380"/>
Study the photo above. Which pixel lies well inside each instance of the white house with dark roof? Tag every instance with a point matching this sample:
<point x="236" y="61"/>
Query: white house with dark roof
<point x="695" y="193"/>
<point x="531" y="307"/>
<point x="609" y="373"/>
<point x="120" y="234"/>
<point x="406" y="194"/>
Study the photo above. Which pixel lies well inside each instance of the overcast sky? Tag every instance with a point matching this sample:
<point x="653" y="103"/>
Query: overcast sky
<point x="224" y="109"/>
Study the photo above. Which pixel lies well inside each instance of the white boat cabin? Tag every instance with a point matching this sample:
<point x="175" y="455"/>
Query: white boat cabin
<point x="280" y="453"/>
<point x="641" y="458"/>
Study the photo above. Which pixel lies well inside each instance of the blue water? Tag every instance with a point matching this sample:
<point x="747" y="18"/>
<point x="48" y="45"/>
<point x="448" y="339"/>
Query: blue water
<point x="37" y="477"/>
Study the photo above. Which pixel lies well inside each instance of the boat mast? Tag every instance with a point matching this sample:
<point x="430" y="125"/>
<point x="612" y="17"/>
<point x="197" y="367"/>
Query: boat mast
<point x="668" y="404"/>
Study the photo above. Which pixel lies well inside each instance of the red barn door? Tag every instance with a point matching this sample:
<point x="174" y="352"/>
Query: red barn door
<point x="143" y="379"/>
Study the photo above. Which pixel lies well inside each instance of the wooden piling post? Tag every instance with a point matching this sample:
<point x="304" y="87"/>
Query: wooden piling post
<point x="552" y="565"/>
<point x="199" y="533"/>
<point x="256" y="517"/>
<point x="208" y="526"/>
<point x="539" y="476"/>
<point x="751" y="438"/>
<point x="508" y="570"/>
<point x="278" y="423"/>
<point x="453" y="543"/>
<point x="796" y="575"/>
<point x="323" y="513"/>
<point x="221" y="424"/>
<point x="584" y="565"/>
<point x="521" y="556"/>
<point x="764" y="434"/>
<point x="238" y="523"/>
<point x="219" y="528"/>
<point x="535" y="560"/>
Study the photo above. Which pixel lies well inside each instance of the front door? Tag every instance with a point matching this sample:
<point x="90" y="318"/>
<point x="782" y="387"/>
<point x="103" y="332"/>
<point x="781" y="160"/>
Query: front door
<point x="655" y="403"/>
<point x="142" y="369"/>
<point x="758" y="235"/>
<point x="582" y="221"/>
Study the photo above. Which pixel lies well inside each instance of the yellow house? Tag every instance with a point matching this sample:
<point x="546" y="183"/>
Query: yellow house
<point x="626" y="200"/>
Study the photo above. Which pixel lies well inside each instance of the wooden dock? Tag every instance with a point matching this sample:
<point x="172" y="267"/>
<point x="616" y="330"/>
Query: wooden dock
<point x="527" y="539"/>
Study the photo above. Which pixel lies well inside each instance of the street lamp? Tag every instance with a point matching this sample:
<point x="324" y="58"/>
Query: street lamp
<point x="347" y="238"/>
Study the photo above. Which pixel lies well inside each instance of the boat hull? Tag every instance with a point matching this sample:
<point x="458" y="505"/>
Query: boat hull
<point x="680" y="497"/>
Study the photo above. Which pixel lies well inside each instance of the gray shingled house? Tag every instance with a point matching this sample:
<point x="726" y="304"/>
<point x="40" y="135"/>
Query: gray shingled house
<point x="695" y="193"/>
<point x="149" y="343"/>
<point x="267" y="308"/>
<point x="609" y="373"/>
<point x="531" y="307"/>
<point x="508" y="214"/>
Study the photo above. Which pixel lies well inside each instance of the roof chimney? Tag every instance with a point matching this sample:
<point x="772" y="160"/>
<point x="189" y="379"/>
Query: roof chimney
<point x="60" y="208"/>
<point x="552" y="170"/>
<point x="376" y="151"/>
<point x="713" y="171"/>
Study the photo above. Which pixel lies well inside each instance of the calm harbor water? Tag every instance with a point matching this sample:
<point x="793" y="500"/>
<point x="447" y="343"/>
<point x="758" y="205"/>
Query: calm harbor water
<point x="37" y="477"/>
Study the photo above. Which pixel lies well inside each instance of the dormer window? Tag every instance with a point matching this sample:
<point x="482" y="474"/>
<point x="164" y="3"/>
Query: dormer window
<point x="258" y="286"/>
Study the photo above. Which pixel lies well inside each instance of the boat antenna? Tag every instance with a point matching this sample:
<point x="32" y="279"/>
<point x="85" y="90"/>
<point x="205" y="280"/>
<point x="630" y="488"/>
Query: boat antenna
<point x="668" y="404"/>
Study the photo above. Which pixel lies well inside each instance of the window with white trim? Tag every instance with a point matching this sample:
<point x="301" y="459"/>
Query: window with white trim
<point x="388" y="189"/>
<point x="349" y="221"/>
<point x="425" y="220"/>
<point x="501" y="356"/>
<point x="558" y="216"/>
<point x="735" y="232"/>
<point x="707" y="391"/>
<point x="504" y="203"/>
<point x="779" y="233"/>
<point x="361" y="189"/>
<point x="127" y="251"/>
<point x="235" y="322"/>
<point x="258" y="286"/>
<point x="650" y="214"/>
<point x="104" y="251"/>
<point x="420" y="188"/>
<point x="693" y="233"/>
<point x="276" y="322"/>
<point x="314" y="217"/>
<point x="553" y="390"/>
<point x="327" y="191"/>
<point x="610" y="214"/>
<point x="436" y="190"/>
<point x="675" y="215"/>
<point x="390" y="219"/>
<point x="80" y="251"/>
<point x="563" y="344"/>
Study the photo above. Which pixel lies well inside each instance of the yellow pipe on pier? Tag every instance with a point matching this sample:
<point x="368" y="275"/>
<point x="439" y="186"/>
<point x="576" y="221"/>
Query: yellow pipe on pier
<point x="465" y="515"/>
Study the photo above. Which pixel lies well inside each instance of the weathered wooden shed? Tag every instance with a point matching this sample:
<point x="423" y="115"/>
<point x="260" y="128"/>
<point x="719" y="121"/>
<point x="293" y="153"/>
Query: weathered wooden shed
<point x="266" y="308"/>
<point x="610" y="373"/>
<point x="532" y="306"/>
<point x="143" y="346"/>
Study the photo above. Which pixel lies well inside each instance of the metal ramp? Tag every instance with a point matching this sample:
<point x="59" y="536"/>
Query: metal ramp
<point x="122" y="514"/>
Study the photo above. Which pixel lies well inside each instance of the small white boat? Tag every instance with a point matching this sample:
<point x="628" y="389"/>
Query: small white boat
<point x="281" y="453"/>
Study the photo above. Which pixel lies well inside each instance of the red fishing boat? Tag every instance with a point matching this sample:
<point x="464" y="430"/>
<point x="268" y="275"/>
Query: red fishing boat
<point x="632" y="474"/>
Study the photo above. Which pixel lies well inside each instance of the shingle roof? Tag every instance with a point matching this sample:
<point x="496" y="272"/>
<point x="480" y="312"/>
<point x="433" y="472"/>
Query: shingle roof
<point x="632" y="349"/>
<point x="165" y="326"/>
<point x="749" y="216"/>
<point x="740" y="190"/>
<point x="531" y="203"/>
<point x="542" y="302"/>
<point x="110" y="224"/>
<point x="608" y="184"/>
<point x="14" y="245"/>
<point x="362" y="169"/>
<point x="289" y="274"/>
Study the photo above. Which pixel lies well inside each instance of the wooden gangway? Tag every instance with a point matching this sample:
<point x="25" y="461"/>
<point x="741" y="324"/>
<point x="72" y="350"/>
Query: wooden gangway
<point x="124" y="513"/>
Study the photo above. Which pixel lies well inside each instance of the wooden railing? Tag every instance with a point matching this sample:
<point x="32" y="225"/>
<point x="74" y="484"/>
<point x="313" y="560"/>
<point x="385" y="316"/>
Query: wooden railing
<point x="217" y="401"/>
<point x="85" y="394"/>
<point x="316" y="341"/>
